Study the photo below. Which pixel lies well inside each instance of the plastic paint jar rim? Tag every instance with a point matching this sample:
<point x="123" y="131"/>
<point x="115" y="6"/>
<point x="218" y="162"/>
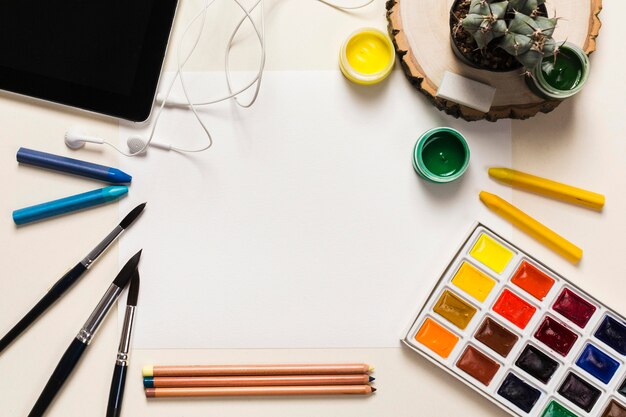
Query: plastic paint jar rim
<point x="546" y="89"/>
<point x="418" y="161"/>
<point x="359" y="77"/>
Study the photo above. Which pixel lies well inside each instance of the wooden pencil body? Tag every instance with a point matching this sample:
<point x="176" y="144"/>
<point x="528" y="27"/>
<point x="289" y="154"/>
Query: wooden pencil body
<point x="256" y="381"/>
<point x="259" y="391"/>
<point x="241" y="370"/>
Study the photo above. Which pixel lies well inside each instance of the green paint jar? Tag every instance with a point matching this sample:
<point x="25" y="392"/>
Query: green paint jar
<point x="441" y="155"/>
<point x="560" y="78"/>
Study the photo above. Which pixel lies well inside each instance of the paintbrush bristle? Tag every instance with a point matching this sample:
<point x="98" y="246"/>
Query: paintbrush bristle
<point x="130" y="217"/>
<point x="127" y="271"/>
<point x="133" y="290"/>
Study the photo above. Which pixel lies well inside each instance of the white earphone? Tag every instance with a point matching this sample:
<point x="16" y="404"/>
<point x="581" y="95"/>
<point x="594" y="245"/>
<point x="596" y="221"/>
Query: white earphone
<point x="137" y="143"/>
<point x="76" y="139"/>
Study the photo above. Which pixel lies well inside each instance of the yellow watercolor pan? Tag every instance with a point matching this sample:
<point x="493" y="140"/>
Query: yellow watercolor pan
<point x="473" y="282"/>
<point x="491" y="253"/>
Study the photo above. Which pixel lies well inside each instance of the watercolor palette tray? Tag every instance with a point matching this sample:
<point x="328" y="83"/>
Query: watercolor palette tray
<point x="523" y="336"/>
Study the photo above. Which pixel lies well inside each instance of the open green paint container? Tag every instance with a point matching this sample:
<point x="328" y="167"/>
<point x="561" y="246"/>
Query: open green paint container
<point x="441" y="155"/>
<point x="560" y="77"/>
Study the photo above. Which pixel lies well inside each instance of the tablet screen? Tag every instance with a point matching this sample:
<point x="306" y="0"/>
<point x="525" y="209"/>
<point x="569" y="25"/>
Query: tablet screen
<point x="105" y="47"/>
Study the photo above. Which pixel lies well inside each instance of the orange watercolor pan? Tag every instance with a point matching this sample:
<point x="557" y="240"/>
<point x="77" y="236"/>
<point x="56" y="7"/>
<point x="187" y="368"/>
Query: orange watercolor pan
<point x="436" y="338"/>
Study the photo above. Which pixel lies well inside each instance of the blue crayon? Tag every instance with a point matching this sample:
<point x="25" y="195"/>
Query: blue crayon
<point x="72" y="166"/>
<point x="69" y="204"/>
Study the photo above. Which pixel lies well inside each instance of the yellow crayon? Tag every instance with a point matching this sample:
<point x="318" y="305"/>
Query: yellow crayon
<point x="548" y="188"/>
<point x="532" y="227"/>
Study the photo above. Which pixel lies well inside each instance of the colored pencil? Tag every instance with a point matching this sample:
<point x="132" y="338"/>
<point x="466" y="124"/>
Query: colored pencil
<point x="256" y="381"/>
<point x="532" y="227"/>
<point x="70" y="278"/>
<point x="242" y="370"/>
<point x="260" y="391"/>
<point x="548" y="188"/>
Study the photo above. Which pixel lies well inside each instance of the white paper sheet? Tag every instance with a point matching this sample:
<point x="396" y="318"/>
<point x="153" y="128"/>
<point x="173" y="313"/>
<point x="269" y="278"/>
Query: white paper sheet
<point x="305" y="224"/>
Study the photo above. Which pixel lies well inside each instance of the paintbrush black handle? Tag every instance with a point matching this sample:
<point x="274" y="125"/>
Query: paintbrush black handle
<point x="59" y="376"/>
<point x="116" y="395"/>
<point x="62" y="285"/>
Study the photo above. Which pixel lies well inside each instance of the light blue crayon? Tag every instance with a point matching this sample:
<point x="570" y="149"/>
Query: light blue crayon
<point x="69" y="204"/>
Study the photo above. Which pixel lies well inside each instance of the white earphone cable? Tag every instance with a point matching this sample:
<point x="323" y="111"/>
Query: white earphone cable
<point x="256" y="81"/>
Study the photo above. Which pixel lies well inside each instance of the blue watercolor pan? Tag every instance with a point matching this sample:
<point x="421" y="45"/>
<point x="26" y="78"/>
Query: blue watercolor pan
<point x="597" y="363"/>
<point x="519" y="392"/>
<point x="613" y="333"/>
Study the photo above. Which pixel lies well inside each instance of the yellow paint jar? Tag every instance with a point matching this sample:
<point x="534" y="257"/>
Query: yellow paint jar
<point x="367" y="56"/>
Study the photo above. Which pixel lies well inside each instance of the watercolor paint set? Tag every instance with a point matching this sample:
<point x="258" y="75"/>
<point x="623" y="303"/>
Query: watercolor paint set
<point x="522" y="335"/>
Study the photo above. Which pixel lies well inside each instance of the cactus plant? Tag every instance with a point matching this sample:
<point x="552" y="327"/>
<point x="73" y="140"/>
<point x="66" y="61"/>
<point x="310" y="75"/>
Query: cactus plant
<point x="516" y="26"/>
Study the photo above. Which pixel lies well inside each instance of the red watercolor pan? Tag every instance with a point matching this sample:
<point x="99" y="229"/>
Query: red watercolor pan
<point x="574" y="308"/>
<point x="556" y="336"/>
<point x="514" y="308"/>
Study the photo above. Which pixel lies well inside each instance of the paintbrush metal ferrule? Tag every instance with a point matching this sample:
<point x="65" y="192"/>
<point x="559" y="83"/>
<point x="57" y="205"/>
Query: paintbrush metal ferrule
<point x="90" y="327"/>
<point x="69" y="279"/>
<point x="127" y="330"/>
<point x="102" y="246"/>
<point x="79" y="344"/>
<point x="126" y="222"/>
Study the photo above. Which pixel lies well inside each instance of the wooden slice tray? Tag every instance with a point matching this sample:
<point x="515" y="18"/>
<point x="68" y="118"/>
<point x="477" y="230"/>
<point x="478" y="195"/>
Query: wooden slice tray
<point x="421" y="35"/>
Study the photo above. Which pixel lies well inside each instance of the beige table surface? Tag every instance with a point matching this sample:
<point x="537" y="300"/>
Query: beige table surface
<point x="582" y="142"/>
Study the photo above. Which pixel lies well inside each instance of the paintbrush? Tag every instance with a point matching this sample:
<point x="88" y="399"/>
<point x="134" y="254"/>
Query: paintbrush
<point x="84" y="337"/>
<point x="116" y="394"/>
<point x="67" y="280"/>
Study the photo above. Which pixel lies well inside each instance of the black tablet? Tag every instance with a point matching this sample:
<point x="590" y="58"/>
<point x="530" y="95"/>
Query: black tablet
<point x="103" y="56"/>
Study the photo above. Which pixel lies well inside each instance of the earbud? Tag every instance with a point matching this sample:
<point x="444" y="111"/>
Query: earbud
<point x="76" y="139"/>
<point x="137" y="143"/>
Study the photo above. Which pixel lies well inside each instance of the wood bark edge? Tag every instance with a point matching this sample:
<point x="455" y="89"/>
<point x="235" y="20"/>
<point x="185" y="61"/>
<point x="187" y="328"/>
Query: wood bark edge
<point x="418" y="79"/>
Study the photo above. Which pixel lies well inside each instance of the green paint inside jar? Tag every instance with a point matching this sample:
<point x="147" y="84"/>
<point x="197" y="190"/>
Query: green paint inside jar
<point x="443" y="155"/>
<point x="565" y="73"/>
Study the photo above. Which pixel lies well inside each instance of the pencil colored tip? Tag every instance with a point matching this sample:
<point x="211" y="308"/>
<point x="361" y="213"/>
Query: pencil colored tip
<point x="147" y="370"/>
<point x="374" y="390"/>
<point x="372" y="379"/>
<point x="371" y="369"/>
<point x="133" y="290"/>
<point x="127" y="271"/>
<point x="130" y="217"/>
<point x="150" y="393"/>
<point x="148" y="382"/>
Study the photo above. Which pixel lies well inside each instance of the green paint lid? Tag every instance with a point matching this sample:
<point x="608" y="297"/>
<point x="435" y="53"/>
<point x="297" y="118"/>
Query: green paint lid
<point x="441" y="155"/>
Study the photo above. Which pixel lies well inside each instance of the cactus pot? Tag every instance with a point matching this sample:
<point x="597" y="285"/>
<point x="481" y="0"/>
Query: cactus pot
<point x="514" y="65"/>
